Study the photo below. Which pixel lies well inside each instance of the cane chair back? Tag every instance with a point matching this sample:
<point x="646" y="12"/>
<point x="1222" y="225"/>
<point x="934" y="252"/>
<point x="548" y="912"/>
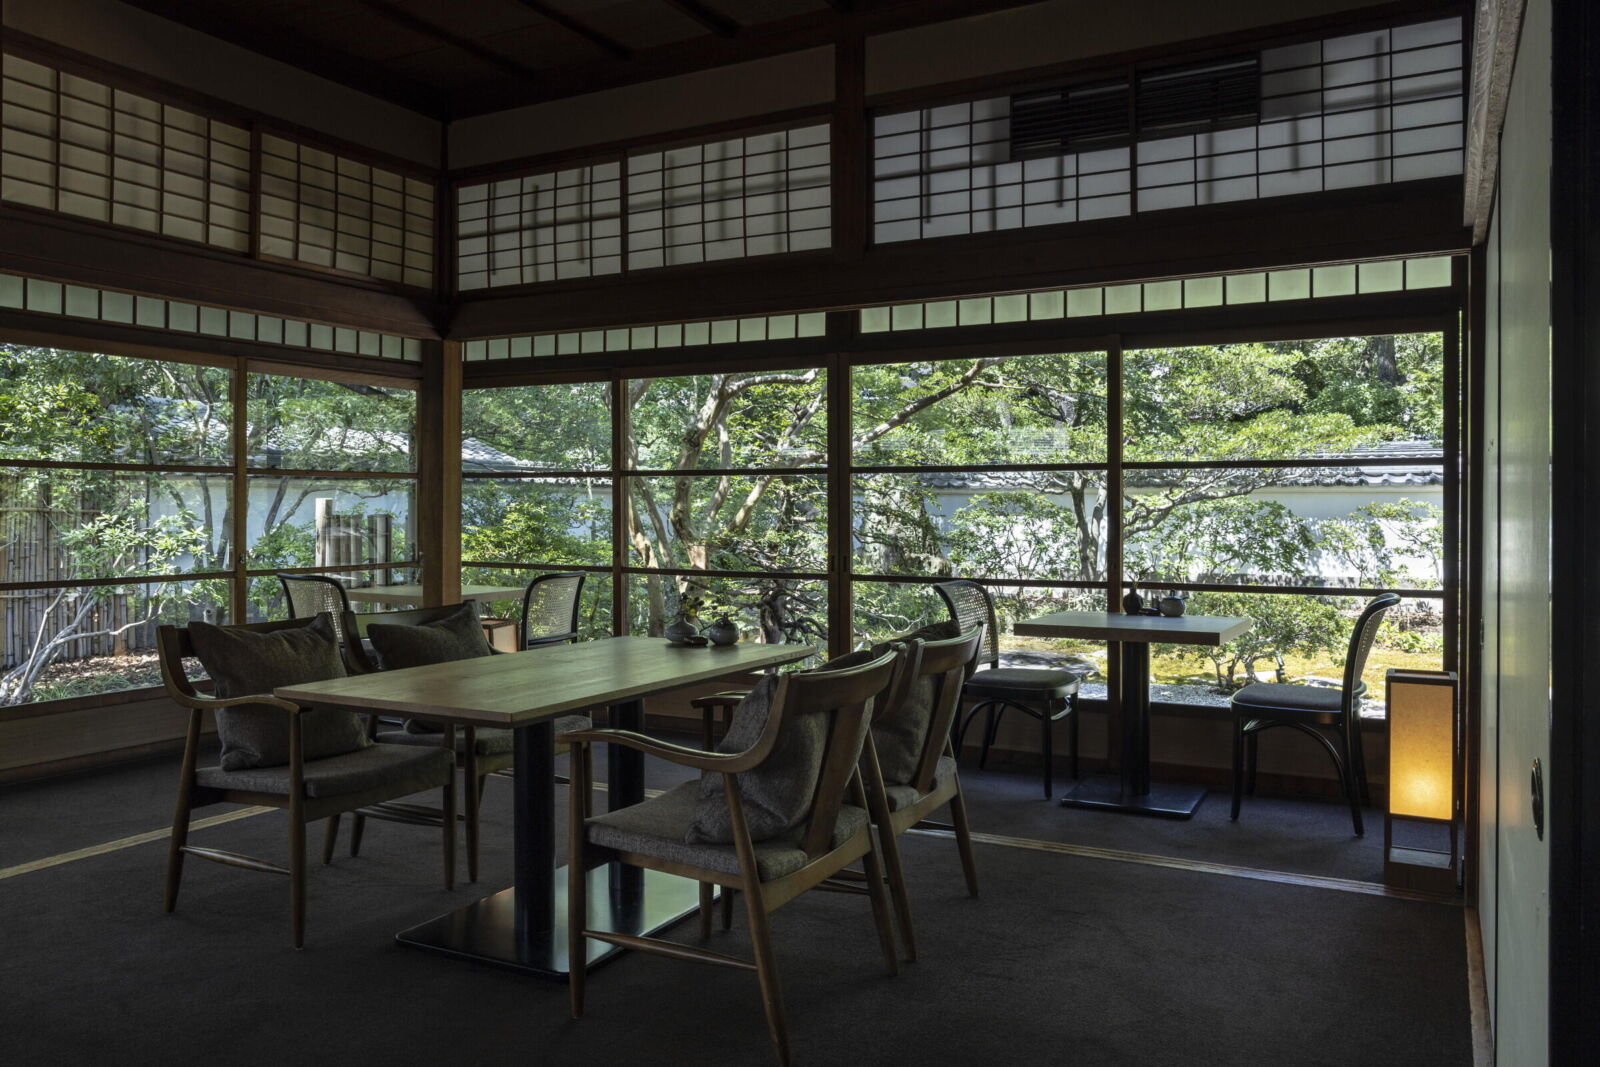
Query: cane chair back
<point x="550" y="609"/>
<point x="309" y="594"/>
<point x="971" y="606"/>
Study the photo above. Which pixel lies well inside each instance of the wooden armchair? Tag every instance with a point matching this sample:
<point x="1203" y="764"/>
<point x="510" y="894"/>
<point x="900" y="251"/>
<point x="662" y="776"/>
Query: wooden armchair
<point x="938" y="669"/>
<point x="771" y="872"/>
<point x="308" y="789"/>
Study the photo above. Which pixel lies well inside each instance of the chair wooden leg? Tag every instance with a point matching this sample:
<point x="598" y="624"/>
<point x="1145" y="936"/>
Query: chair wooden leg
<point x="297" y="879"/>
<point x="990" y="728"/>
<point x="897" y="889"/>
<point x="577" y="894"/>
<point x="767" y="969"/>
<point x="1352" y="791"/>
<point x="1360" y="757"/>
<point x="1238" y="766"/>
<point x="881" y="909"/>
<point x="727" y="908"/>
<point x="358" y="823"/>
<point x="1252" y="749"/>
<point x="588" y="781"/>
<point x="958" y="817"/>
<point x="472" y="784"/>
<point x="180" y="837"/>
<point x="450" y="813"/>
<point x="330" y="838"/>
<point x="1072" y="732"/>
<point x="707" y="890"/>
<point x="1046" y="725"/>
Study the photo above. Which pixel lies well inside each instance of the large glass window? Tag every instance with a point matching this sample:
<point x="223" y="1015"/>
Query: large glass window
<point x="121" y="503"/>
<point x="1287" y="481"/>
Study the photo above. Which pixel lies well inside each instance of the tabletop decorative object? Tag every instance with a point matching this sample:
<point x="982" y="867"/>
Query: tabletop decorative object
<point x="681" y="631"/>
<point x="1172" y="606"/>
<point x="723" y="632"/>
<point x="1133" y="603"/>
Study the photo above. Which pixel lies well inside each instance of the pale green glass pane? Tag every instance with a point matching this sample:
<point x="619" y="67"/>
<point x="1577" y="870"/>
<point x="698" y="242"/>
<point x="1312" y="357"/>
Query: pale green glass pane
<point x="1334" y="281"/>
<point x="1289" y="285"/>
<point x="940" y="314"/>
<point x="1163" y="296"/>
<point x="813" y="324"/>
<point x="1430" y="273"/>
<point x="1247" y="288"/>
<point x="1011" y="308"/>
<point x="1051" y="305"/>
<point x="977" y="312"/>
<point x="906" y="317"/>
<point x="1386" y="277"/>
<point x="1124" y="299"/>
<point x="1202" y="292"/>
<point x="1084" y="303"/>
<point x="875" y="320"/>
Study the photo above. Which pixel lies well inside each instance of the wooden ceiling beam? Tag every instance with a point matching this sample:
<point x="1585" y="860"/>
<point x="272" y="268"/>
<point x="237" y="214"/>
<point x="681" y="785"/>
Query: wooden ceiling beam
<point x="299" y="51"/>
<point x="422" y="27"/>
<point x="709" y="17"/>
<point x="567" y="22"/>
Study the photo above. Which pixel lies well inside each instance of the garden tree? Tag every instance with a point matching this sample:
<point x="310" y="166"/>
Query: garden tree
<point x="73" y="523"/>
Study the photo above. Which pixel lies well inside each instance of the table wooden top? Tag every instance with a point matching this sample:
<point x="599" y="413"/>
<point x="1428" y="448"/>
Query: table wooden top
<point x="412" y="594"/>
<point x="1109" y="626"/>
<point x="522" y="687"/>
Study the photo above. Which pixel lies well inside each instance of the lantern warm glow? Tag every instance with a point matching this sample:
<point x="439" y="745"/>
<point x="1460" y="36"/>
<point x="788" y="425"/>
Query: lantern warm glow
<point x="1421" y="749"/>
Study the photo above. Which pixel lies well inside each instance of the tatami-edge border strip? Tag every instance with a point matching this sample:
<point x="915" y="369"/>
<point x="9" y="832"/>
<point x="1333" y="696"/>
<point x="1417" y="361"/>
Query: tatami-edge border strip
<point x="1310" y="881"/>
<point x="126" y="842"/>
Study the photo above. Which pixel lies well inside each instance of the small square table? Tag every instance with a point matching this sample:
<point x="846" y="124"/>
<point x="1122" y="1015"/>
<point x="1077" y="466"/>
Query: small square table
<point x="1133" y="792"/>
<point x="524" y="928"/>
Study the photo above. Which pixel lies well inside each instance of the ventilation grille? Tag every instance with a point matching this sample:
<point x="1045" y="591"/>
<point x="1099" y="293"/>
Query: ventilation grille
<point x="1059" y="122"/>
<point x="1221" y="95"/>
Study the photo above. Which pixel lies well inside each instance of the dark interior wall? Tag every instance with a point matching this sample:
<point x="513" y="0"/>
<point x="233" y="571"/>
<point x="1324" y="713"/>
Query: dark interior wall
<point x="1039" y="34"/>
<point x="118" y="33"/>
<point x="1061" y="31"/>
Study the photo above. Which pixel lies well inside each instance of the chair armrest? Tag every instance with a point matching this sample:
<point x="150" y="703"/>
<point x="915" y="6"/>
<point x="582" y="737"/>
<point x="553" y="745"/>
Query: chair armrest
<point x="719" y="700"/>
<point x="721" y="762"/>
<point x="254" y="700"/>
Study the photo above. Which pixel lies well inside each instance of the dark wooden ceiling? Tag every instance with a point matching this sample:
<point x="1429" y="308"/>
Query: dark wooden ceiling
<point x="454" y="58"/>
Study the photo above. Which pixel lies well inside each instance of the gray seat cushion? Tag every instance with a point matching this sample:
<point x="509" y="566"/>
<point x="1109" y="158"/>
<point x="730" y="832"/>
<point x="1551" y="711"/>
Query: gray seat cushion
<point x="1271" y="696"/>
<point x="458" y="635"/>
<point x="899" y="734"/>
<point x="245" y="663"/>
<point x="401" y="769"/>
<point x="1023" y="683"/>
<point x="777" y="794"/>
<point x="488" y="740"/>
<point x="658" y="828"/>
<point x="903" y="796"/>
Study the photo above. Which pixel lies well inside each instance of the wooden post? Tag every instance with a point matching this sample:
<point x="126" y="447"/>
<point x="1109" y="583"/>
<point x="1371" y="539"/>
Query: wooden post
<point x="324" y="556"/>
<point x="848" y="149"/>
<point x="436" y="515"/>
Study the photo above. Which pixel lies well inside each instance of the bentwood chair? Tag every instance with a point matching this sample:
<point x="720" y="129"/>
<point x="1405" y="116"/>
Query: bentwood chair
<point x="909" y="766"/>
<point x="550" y="610"/>
<point x="311" y="594"/>
<point x="480" y="750"/>
<point x="1042" y="693"/>
<point x="829" y="837"/>
<point x="1264" y="705"/>
<point x="308" y="789"/>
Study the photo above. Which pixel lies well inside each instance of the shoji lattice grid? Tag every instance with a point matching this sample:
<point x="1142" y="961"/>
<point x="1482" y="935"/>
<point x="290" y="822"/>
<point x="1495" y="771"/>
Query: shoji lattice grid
<point x="1364" y="109"/>
<point x="943" y="171"/>
<point x="644" y="338"/>
<point x="328" y="210"/>
<point x="131" y="309"/>
<point x="539" y="228"/>
<point x="77" y="146"/>
<point x="748" y="196"/>
<point x="1298" y="283"/>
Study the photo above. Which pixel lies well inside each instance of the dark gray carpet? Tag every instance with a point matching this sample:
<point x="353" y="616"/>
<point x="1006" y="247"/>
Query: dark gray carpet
<point x="1063" y="960"/>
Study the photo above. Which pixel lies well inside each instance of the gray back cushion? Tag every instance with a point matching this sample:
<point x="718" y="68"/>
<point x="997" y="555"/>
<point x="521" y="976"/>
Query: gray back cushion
<point x="899" y="733"/>
<point x="242" y="663"/>
<point x="458" y="635"/>
<point x="777" y="794"/>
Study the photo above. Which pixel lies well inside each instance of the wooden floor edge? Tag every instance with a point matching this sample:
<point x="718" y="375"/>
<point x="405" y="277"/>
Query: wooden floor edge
<point x="1478" y="993"/>
<point x="1311" y="881"/>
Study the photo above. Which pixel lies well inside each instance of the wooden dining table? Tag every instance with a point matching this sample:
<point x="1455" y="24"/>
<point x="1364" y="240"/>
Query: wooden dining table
<point x="523" y="927"/>
<point x="412" y="594"/>
<point x="1132" y="791"/>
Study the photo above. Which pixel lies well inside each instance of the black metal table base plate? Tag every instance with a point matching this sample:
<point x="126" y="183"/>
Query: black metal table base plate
<point x="1164" y="800"/>
<point x="621" y="900"/>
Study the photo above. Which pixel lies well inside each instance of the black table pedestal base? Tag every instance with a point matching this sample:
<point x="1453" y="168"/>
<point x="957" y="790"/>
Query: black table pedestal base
<point x="1164" y="800"/>
<point x="628" y="901"/>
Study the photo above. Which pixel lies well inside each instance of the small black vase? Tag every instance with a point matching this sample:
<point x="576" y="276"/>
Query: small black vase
<point x="1133" y="603"/>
